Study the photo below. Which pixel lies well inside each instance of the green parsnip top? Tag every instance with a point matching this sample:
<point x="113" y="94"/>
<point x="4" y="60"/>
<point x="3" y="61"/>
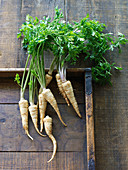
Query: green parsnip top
<point x="67" y="41"/>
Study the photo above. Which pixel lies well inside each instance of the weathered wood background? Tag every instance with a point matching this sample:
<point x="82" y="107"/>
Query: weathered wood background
<point x="110" y="103"/>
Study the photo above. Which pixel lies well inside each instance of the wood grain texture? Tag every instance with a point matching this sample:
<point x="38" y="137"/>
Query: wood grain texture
<point x="10" y="22"/>
<point x="70" y="138"/>
<point x="110" y="103"/>
<point x="38" y="160"/>
<point x="89" y="122"/>
<point x="10" y="91"/>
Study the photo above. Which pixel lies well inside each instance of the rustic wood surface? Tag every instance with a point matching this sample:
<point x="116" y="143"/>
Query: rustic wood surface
<point x="70" y="138"/>
<point x="21" y="152"/>
<point x="110" y="102"/>
<point x="91" y="164"/>
<point x="11" y="91"/>
<point x="38" y="161"/>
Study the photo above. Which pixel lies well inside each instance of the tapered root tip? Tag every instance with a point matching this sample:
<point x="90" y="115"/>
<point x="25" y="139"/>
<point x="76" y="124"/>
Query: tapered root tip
<point x="29" y="135"/>
<point x="79" y="115"/>
<point x="50" y="160"/>
<point x="40" y="133"/>
<point x="67" y="102"/>
<point x="41" y="128"/>
<point x="64" y="124"/>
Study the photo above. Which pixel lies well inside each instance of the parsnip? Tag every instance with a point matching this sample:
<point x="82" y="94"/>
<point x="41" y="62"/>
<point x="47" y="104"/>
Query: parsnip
<point x="59" y="83"/>
<point x="42" y="108"/>
<point x="67" y="86"/>
<point x="34" y="115"/>
<point x="51" y="99"/>
<point x="23" y="104"/>
<point x="48" y="129"/>
<point x="48" y="79"/>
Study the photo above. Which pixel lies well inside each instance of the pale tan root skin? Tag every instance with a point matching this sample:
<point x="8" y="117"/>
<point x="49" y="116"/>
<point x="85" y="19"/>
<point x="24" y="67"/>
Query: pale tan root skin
<point x="34" y="115"/>
<point x="51" y="99"/>
<point x="23" y="104"/>
<point x="48" y="79"/>
<point x="62" y="92"/>
<point x="42" y="108"/>
<point x="67" y="86"/>
<point x="48" y="129"/>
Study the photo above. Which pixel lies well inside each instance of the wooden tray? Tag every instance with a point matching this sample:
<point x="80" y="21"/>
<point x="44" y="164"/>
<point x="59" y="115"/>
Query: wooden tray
<point x="75" y="143"/>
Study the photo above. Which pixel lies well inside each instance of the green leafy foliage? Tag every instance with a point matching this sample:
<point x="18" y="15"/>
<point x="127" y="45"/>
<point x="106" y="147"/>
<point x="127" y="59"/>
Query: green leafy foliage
<point x="67" y="41"/>
<point x="17" y="79"/>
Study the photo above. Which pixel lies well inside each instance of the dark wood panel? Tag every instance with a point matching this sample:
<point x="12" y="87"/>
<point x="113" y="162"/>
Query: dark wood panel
<point x="70" y="138"/>
<point x="110" y="111"/>
<point x="10" y="22"/>
<point x="112" y="13"/>
<point x="89" y="122"/>
<point x="10" y="91"/>
<point x="11" y="72"/>
<point x="38" y="160"/>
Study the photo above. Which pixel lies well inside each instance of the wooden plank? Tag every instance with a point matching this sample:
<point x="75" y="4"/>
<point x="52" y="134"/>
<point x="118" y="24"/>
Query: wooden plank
<point x="112" y="13"/>
<point x="89" y="122"/>
<point x="38" y="160"/>
<point x="11" y="72"/>
<point x="11" y="52"/>
<point x="10" y="91"/>
<point x="70" y="138"/>
<point x="9" y="21"/>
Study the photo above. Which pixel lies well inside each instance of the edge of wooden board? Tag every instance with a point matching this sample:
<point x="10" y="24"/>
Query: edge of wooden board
<point x="89" y="121"/>
<point x="11" y="72"/>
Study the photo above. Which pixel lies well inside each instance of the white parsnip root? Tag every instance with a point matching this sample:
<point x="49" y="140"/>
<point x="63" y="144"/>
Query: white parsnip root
<point x="42" y="108"/>
<point x="51" y="99"/>
<point x="34" y="115"/>
<point x="23" y="104"/>
<point x="67" y="86"/>
<point x="48" y="129"/>
<point x="62" y="92"/>
<point x="48" y="79"/>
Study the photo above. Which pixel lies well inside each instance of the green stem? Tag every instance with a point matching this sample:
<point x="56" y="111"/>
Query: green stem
<point x="53" y="64"/>
<point x="25" y="70"/>
<point x="42" y="51"/>
<point x="32" y="89"/>
<point x="43" y="70"/>
<point x="26" y="81"/>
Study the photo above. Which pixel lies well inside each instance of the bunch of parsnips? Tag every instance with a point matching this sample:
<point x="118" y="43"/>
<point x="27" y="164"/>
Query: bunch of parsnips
<point x="66" y="41"/>
<point x="39" y="36"/>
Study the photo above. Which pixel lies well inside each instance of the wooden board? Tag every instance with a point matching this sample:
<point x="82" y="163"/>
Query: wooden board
<point x="10" y="90"/>
<point x="71" y="139"/>
<point x="13" y="14"/>
<point x="13" y="138"/>
<point x="38" y="160"/>
<point x="110" y="102"/>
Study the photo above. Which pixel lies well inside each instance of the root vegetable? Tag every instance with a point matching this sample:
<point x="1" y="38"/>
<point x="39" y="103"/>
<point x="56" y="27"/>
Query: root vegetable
<point x="59" y="83"/>
<point x="51" y="99"/>
<point x="67" y="86"/>
<point x="48" y="129"/>
<point x="34" y="115"/>
<point x="23" y="104"/>
<point x="48" y="79"/>
<point x="42" y="108"/>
